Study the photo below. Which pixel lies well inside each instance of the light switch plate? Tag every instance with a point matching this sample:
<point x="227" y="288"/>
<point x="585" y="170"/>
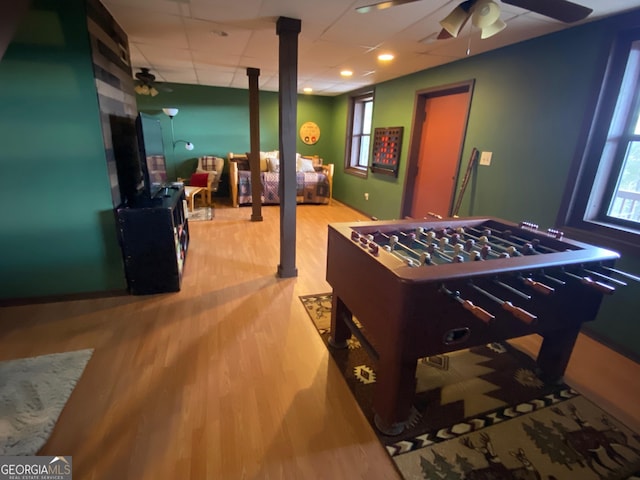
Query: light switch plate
<point x="485" y="158"/>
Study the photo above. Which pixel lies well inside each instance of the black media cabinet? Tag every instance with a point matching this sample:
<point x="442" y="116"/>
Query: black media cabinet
<point x="154" y="241"/>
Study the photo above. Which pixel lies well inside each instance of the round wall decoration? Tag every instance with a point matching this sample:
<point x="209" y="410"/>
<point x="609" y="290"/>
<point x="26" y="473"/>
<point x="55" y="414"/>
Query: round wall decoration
<point x="309" y="133"/>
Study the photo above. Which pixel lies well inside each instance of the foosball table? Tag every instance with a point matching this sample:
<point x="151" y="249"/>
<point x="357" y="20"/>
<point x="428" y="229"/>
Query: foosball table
<point x="422" y="288"/>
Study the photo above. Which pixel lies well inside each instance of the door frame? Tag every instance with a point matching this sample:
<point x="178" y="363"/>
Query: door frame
<point x="416" y="135"/>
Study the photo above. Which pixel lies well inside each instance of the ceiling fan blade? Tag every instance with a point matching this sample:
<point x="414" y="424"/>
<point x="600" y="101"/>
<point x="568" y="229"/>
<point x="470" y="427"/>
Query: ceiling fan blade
<point x="562" y="10"/>
<point x="452" y="24"/>
<point x="383" y="5"/>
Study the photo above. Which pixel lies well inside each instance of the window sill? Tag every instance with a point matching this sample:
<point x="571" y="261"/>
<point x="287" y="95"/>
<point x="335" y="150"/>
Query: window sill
<point x="357" y="171"/>
<point x="606" y="235"/>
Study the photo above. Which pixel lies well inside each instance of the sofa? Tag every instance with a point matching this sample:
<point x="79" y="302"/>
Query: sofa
<point x="314" y="180"/>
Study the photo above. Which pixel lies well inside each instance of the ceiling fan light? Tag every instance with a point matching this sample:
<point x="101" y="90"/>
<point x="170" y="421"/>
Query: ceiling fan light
<point x="485" y="13"/>
<point x="491" y="30"/>
<point x="454" y="22"/>
<point x="153" y="92"/>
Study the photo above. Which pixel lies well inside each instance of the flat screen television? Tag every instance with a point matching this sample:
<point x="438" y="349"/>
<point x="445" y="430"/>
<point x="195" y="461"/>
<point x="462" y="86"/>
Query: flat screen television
<point x="138" y="151"/>
<point x="130" y="184"/>
<point x="154" y="165"/>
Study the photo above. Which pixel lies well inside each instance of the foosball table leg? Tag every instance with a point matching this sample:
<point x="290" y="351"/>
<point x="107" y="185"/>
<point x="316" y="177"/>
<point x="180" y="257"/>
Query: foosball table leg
<point x="340" y="331"/>
<point x="393" y="394"/>
<point x="555" y="353"/>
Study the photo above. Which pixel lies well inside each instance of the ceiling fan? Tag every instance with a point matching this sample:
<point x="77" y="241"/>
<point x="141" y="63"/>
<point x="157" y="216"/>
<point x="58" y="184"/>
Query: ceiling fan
<point x="485" y="14"/>
<point x="146" y="84"/>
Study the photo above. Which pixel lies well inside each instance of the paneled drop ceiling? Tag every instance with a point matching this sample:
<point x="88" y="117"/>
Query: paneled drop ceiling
<point x="212" y="42"/>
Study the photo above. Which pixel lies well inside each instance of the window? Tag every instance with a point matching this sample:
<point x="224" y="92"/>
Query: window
<point x="606" y="201"/>
<point x="359" y="133"/>
<point x="620" y="162"/>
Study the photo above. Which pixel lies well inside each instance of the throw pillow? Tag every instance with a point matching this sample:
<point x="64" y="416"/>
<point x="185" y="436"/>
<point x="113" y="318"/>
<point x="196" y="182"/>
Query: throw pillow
<point x="273" y="164"/>
<point x="199" y="180"/>
<point x="263" y="162"/>
<point x="212" y="174"/>
<point x="305" y="165"/>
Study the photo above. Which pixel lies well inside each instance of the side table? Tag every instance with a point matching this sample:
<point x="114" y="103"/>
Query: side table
<point x="191" y="192"/>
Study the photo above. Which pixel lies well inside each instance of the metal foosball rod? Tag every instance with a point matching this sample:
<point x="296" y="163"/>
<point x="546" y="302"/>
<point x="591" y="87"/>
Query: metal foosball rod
<point x="620" y="272"/>
<point x="478" y="312"/>
<point x="484" y="240"/>
<point x="553" y="279"/>
<point x="535" y="242"/>
<point x="421" y="258"/>
<point x="439" y="248"/>
<point x="446" y="256"/>
<point x="411" y="262"/>
<point x="460" y="249"/>
<point x="506" y="234"/>
<point x="512" y="289"/>
<point x="411" y="237"/>
<point x="443" y="253"/>
<point x="537" y="286"/>
<point x="525" y="248"/>
<point x="469" y="244"/>
<point x="430" y="249"/>
<point x="605" y="277"/>
<point x="599" y="286"/>
<point x="517" y="312"/>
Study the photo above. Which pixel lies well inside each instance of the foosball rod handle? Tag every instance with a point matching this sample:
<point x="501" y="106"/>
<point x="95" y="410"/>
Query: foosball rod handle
<point x="478" y="312"/>
<point x="519" y="313"/>
<point x="538" y="286"/>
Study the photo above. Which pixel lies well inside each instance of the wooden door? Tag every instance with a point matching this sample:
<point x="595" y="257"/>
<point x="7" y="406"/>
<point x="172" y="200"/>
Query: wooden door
<point x="441" y="140"/>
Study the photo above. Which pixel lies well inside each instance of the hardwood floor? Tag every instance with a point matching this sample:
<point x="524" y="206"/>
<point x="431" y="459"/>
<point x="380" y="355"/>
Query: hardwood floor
<point x="228" y="378"/>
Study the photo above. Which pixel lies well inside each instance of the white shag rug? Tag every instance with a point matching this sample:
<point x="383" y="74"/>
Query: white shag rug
<point x="33" y="392"/>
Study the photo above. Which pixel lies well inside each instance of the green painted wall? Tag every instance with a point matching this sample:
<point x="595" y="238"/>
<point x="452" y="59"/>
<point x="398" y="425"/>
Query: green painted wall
<point x="528" y="107"/>
<point x="216" y="120"/>
<point x="58" y="235"/>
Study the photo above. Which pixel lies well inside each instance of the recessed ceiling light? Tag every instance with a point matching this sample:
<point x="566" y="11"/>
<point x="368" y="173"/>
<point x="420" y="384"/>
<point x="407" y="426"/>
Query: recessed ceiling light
<point x="307" y="89"/>
<point x="346" y="73"/>
<point x="386" y="57"/>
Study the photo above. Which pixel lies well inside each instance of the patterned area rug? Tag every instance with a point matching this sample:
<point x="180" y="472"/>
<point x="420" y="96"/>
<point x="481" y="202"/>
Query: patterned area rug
<point x="482" y="413"/>
<point x="200" y="214"/>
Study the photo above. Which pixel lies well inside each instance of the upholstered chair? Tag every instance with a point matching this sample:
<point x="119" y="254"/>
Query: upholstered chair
<point x="212" y="166"/>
